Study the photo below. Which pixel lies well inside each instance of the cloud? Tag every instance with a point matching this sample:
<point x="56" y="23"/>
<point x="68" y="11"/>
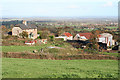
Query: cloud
<point x="108" y="4"/>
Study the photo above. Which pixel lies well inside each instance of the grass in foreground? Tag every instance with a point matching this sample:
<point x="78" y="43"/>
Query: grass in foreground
<point x="36" y="68"/>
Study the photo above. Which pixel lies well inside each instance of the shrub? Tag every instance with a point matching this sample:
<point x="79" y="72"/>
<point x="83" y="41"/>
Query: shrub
<point x="24" y="34"/>
<point x="43" y="34"/>
<point x="59" y="39"/>
<point x="93" y="51"/>
<point x="6" y="37"/>
<point x="51" y="38"/>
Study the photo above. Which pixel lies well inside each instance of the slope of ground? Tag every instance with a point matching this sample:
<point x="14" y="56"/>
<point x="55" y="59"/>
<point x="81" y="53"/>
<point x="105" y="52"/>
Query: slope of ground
<point x="36" y="68"/>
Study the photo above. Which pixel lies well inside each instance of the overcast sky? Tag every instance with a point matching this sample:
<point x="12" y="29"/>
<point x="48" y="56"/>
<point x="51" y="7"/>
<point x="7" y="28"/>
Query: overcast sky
<point x="53" y="8"/>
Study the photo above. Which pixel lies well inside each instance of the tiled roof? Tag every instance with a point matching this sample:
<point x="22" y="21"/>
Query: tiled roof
<point x="87" y="35"/>
<point x="105" y="35"/>
<point x="28" y="26"/>
<point x="67" y="34"/>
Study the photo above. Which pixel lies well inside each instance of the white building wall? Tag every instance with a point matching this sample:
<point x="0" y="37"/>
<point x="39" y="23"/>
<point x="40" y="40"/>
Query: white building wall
<point x="104" y="40"/>
<point x="62" y="37"/>
<point x="70" y="38"/>
<point x="80" y="37"/>
<point x="65" y="37"/>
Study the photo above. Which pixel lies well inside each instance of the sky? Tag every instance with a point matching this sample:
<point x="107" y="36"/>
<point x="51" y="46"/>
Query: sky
<point x="58" y="8"/>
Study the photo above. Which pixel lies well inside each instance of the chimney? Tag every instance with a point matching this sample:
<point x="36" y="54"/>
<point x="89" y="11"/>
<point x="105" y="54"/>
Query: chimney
<point x="24" y="22"/>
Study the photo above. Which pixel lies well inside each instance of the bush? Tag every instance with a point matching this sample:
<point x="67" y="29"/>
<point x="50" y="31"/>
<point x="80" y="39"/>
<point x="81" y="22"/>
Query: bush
<point x="59" y="39"/>
<point x="24" y="34"/>
<point x="51" y="38"/>
<point x="6" y="37"/>
<point x="43" y="35"/>
<point x="93" y="51"/>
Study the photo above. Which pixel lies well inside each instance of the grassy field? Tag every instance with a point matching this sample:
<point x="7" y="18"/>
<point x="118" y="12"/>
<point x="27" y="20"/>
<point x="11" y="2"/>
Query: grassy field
<point x="83" y="29"/>
<point x="22" y="48"/>
<point x="114" y="27"/>
<point x="36" y="68"/>
<point x="15" y="48"/>
<point x="19" y="48"/>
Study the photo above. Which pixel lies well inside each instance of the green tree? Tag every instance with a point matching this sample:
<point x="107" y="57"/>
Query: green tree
<point x="44" y="35"/>
<point x="94" y="40"/>
<point x="24" y="34"/>
<point x="51" y="38"/>
<point x="39" y="32"/>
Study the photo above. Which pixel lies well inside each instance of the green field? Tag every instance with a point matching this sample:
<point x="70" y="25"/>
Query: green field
<point x="36" y="68"/>
<point x="14" y="48"/>
<point x="83" y="29"/>
<point x="113" y="27"/>
<point x="22" y="48"/>
<point x="19" y="48"/>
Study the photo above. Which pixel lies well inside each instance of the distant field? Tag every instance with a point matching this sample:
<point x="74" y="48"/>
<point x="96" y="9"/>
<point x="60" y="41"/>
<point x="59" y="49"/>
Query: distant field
<point x="36" y="68"/>
<point x="83" y="29"/>
<point x="114" y="27"/>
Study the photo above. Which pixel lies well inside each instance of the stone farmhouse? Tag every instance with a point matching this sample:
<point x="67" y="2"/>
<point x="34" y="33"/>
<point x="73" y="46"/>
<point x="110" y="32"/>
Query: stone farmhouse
<point x="31" y="29"/>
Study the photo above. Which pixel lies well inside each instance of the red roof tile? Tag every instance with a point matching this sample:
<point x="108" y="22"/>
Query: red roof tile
<point x="99" y="35"/>
<point x="67" y="34"/>
<point x="87" y="35"/>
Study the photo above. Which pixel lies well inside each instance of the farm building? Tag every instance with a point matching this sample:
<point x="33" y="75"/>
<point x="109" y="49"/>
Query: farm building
<point x="106" y="38"/>
<point x="31" y="29"/>
<point x="66" y="36"/>
<point x="83" y="36"/>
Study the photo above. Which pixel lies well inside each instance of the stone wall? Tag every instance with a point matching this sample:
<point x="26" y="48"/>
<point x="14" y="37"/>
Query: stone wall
<point x="16" y="31"/>
<point x="34" y="31"/>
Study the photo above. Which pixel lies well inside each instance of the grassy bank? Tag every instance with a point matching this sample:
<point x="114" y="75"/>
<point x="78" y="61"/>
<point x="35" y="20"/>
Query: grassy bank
<point x="36" y="68"/>
<point x="22" y="48"/>
<point x="111" y="54"/>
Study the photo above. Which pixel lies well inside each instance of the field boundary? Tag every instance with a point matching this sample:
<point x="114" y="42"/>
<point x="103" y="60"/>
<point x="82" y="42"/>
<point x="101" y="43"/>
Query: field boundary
<point x="58" y="57"/>
<point x="60" y="78"/>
